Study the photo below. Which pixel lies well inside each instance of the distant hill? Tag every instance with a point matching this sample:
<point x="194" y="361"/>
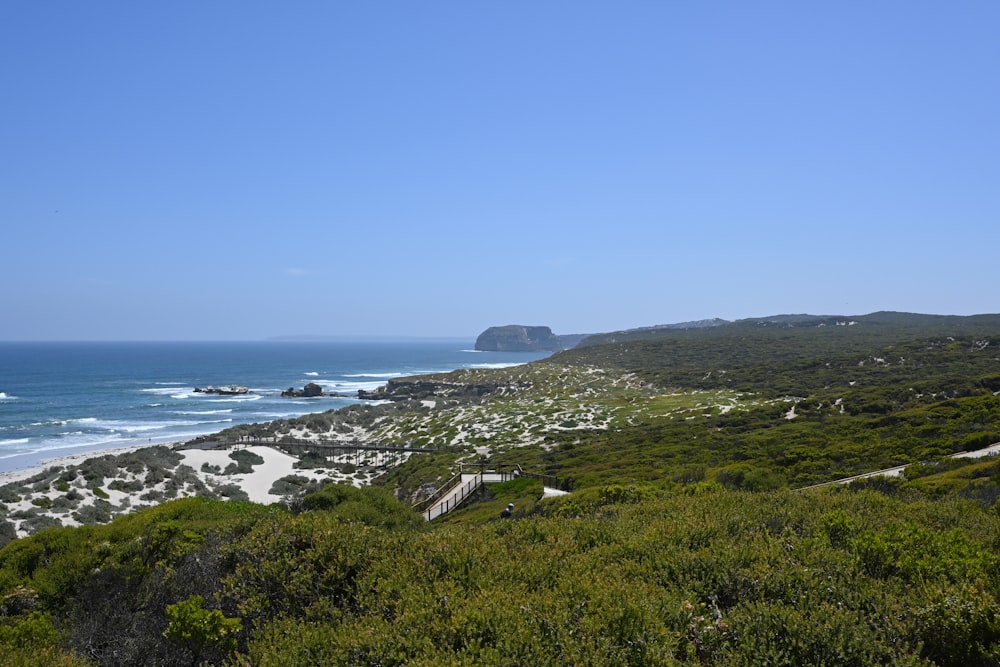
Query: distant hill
<point x="521" y="338"/>
<point x="649" y="332"/>
<point x="800" y="355"/>
<point x="900" y="324"/>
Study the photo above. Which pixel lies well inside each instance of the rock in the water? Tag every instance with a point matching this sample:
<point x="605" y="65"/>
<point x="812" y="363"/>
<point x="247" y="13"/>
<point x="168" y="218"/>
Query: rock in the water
<point x="225" y="390"/>
<point x="311" y="390"/>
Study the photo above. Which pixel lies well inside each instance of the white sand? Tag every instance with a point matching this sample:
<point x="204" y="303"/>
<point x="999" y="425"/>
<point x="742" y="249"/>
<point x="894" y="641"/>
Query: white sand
<point x="257" y="484"/>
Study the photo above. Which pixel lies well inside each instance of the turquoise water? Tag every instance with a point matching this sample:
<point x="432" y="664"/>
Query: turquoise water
<point x="67" y="398"/>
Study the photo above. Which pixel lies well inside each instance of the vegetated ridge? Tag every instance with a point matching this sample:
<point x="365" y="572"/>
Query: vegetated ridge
<point x="683" y="540"/>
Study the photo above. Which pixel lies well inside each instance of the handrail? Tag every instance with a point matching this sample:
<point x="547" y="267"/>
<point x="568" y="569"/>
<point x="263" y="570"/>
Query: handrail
<point x="454" y="492"/>
<point x="438" y="493"/>
<point x="461" y="493"/>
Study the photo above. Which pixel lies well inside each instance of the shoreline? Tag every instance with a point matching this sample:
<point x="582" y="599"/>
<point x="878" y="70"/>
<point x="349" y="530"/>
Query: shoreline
<point x="264" y="475"/>
<point x="40" y="465"/>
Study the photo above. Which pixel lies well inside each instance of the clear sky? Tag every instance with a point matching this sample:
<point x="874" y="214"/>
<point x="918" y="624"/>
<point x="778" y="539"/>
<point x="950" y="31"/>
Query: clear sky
<point x="240" y="170"/>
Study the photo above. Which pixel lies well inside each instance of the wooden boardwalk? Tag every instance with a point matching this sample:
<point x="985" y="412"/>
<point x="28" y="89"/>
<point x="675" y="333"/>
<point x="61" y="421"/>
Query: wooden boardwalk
<point x="304" y="445"/>
<point x="453" y="493"/>
<point x="346" y="451"/>
<point x="465" y="486"/>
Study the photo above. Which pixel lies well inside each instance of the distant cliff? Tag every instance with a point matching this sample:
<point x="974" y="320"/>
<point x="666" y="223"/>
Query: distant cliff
<point x="520" y="338"/>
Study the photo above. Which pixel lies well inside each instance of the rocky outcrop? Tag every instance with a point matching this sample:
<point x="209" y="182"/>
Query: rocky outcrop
<point x="225" y="390"/>
<point x="311" y="390"/>
<point x="520" y="338"/>
<point x="422" y="387"/>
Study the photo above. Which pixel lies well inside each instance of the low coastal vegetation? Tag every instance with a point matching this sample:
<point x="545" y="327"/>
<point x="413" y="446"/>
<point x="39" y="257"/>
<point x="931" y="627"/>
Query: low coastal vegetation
<point x="696" y="531"/>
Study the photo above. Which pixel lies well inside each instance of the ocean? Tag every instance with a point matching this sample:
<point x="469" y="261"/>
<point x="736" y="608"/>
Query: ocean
<point x="59" y="399"/>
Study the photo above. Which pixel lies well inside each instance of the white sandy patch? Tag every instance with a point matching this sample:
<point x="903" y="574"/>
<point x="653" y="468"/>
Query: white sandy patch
<point x="258" y="483"/>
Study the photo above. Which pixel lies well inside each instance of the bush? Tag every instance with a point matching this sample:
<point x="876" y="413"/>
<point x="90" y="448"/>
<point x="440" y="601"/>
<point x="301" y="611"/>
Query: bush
<point x="95" y="470"/>
<point x="311" y="460"/>
<point x="372" y="506"/>
<point x="98" y="513"/>
<point x="289" y="485"/>
<point x="7" y="532"/>
<point x="64" y="504"/>
<point x="127" y="487"/>
<point x="38" y="522"/>
<point x="155" y="476"/>
<point x="32" y="641"/>
<point x="960" y="626"/>
<point x="158" y="456"/>
<point x="247" y="457"/>
<point x="749" y="478"/>
<point x="232" y="492"/>
<point x="198" y="630"/>
<point x="11" y="493"/>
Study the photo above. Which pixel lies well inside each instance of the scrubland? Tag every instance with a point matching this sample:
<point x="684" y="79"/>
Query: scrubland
<point x="689" y="535"/>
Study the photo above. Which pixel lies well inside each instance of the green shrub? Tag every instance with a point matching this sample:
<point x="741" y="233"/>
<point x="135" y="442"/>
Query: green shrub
<point x="372" y="506"/>
<point x="918" y="555"/>
<point x="780" y="634"/>
<point x="95" y="470"/>
<point x="960" y="626"/>
<point x="8" y="532"/>
<point x="154" y="476"/>
<point x="246" y="457"/>
<point x="197" y="629"/>
<point x="749" y="478"/>
<point x="839" y="528"/>
<point x="290" y="485"/>
<point x="127" y="487"/>
<point x="311" y="460"/>
<point x="64" y="504"/>
<point x="11" y="493"/>
<point x="232" y="492"/>
<point x="99" y="512"/>
<point x="32" y="641"/>
<point x="37" y="522"/>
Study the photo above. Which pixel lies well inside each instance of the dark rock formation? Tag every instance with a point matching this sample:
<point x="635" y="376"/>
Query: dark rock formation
<point x="419" y="387"/>
<point x="519" y="338"/>
<point x="311" y="390"/>
<point x="225" y="390"/>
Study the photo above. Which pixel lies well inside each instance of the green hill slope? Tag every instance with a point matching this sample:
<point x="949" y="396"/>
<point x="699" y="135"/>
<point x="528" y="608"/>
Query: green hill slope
<point x="684" y="540"/>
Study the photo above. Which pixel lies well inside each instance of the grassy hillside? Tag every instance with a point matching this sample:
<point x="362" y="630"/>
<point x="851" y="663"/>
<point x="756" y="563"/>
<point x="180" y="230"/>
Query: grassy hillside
<point x="687" y="538"/>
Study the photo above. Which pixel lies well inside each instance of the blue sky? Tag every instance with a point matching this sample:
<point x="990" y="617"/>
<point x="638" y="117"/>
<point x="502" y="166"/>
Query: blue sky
<point x="241" y="170"/>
